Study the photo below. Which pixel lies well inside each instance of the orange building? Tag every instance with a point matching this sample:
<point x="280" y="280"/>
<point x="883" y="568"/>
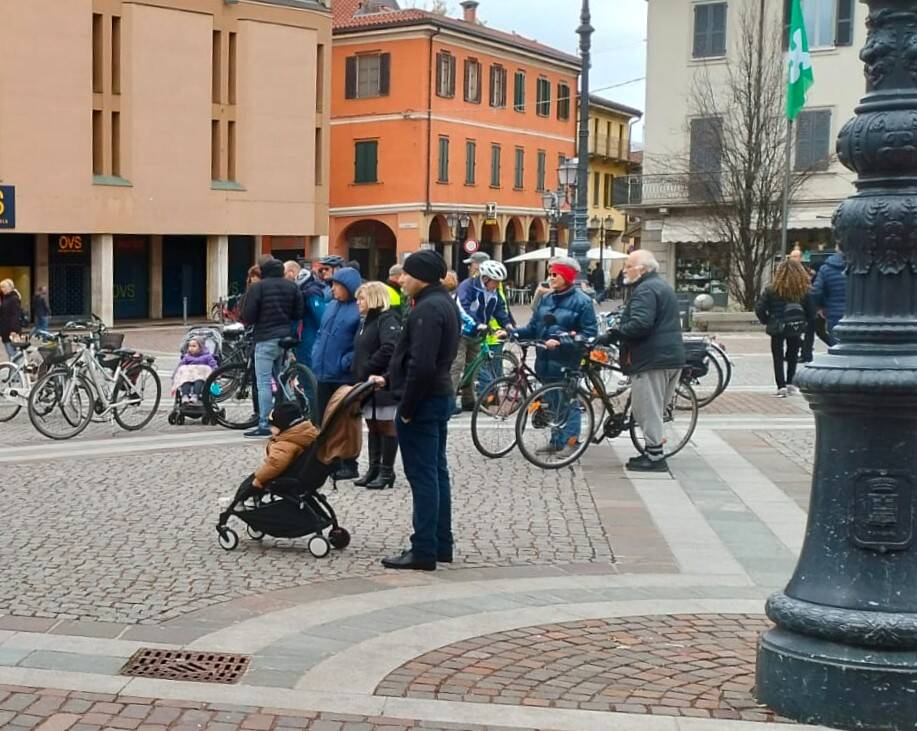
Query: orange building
<point x="434" y="116"/>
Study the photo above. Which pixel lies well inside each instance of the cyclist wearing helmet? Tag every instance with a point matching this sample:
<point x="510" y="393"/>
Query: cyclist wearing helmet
<point x="327" y="268"/>
<point x="479" y="299"/>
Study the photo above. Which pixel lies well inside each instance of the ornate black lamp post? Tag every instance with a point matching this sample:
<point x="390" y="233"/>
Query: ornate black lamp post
<point x="579" y="247"/>
<point x="458" y="224"/>
<point x="844" y="652"/>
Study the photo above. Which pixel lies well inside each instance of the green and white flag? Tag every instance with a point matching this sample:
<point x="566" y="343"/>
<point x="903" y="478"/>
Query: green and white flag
<point x="800" y="65"/>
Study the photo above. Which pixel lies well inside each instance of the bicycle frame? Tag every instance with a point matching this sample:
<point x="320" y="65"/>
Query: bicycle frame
<point x="103" y="384"/>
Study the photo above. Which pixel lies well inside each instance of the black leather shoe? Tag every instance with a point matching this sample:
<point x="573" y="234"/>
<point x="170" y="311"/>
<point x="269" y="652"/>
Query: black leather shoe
<point x="346" y="473"/>
<point x="444" y="558"/>
<point x="645" y="464"/>
<point x="409" y="561"/>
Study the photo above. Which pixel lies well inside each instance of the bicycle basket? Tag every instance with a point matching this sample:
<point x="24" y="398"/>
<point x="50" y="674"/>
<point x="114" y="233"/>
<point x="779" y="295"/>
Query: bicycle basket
<point x="110" y="340"/>
<point x="696" y="359"/>
<point x="52" y="353"/>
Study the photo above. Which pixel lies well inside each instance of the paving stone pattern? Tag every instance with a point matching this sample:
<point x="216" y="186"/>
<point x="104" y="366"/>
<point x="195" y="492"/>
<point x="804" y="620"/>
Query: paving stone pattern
<point x="745" y="403"/>
<point x="679" y="665"/>
<point x="132" y="538"/>
<point x="796" y="446"/>
<point x="24" y="708"/>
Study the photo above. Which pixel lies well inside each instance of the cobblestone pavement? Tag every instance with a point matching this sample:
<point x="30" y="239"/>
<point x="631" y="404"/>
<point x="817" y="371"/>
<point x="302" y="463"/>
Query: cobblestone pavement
<point x="132" y="538"/>
<point x="796" y="446"/>
<point x="23" y="708"/>
<point x="699" y="666"/>
<point x="745" y="403"/>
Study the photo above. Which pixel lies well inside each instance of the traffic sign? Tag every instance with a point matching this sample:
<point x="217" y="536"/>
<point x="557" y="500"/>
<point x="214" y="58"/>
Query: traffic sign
<point x="470" y="246"/>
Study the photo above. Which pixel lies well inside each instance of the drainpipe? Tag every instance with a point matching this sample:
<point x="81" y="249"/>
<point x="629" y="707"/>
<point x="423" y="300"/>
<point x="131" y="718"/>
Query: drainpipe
<point x="432" y="71"/>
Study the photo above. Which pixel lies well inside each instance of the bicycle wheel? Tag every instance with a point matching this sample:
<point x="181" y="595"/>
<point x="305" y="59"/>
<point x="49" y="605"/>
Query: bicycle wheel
<point x="678" y="423"/>
<point x="710" y="385"/>
<point x="231" y="397"/>
<point x="140" y="388"/>
<point x="12" y="387"/>
<point x="555" y="425"/>
<point x="718" y="353"/>
<point x="300" y="385"/>
<point x="615" y="384"/>
<point x="60" y="405"/>
<point x="492" y="368"/>
<point x="493" y="421"/>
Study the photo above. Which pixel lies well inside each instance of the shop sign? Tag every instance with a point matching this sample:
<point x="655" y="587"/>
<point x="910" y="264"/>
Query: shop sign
<point x="7" y="206"/>
<point x="70" y="244"/>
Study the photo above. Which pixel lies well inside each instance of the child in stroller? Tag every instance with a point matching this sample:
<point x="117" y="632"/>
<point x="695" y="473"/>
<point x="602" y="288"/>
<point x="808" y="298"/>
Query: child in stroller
<point x="290" y="504"/>
<point x="200" y="353"/>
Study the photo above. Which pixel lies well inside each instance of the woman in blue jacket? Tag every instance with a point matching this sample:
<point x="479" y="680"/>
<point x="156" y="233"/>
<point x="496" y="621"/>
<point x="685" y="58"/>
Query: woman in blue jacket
<point x="830" y="292"/>
<point x="332" y="356"/>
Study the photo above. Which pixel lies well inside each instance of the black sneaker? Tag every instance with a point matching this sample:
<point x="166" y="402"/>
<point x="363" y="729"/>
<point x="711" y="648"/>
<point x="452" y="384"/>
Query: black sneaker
<point x="257" y="433"/>
<point x="645" y="464"/>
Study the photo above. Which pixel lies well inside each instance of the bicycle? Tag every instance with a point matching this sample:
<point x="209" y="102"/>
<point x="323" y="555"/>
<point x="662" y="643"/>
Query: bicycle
<point x="709" y="368"/>
<point x="93" y="383"/>
<point x="556" y="424"/>
<point x="231" y="391"/>
<point x="493" y="421"/>
<point x="19" y="375"/>
<point x="487" y="366"/>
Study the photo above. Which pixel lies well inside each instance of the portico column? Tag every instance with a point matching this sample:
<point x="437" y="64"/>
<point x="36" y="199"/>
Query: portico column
<point x="498" y="251"/>
<point x="103" y="277"/>
<point x="156" y="277"/>
<point x="217" y="268"/>
<point x="41" y="262"/>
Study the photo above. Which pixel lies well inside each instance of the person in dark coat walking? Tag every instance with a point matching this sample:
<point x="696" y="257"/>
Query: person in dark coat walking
<point x="829" y="292"/>
<point x="41" y="311"/>
<point x="10" y="316"/>
<point x="419" y="375"/>
<point x="597" y="280"/>
<point x="787" y="310"/>
<point x="380" y="329"/>
<point x="332" y="356"/>
<point x="271" y="306"/>
<point x="652" y="352"/>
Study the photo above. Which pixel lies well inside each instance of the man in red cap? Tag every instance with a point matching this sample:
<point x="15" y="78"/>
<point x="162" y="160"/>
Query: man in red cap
<point x="565" y="310"/>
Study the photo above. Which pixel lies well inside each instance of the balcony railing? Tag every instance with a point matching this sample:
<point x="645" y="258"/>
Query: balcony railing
<point x="660" y="190"/>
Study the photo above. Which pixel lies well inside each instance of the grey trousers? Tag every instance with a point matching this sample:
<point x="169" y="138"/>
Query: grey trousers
<point x="650" y="392"/>
<point x="467" y="351"/>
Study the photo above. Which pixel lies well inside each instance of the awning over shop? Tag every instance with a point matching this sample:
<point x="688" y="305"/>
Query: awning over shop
<point x="696" y="229"/>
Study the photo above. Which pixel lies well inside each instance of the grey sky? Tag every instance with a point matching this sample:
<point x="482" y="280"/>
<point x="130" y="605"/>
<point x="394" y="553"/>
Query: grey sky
<point x="619" y="48"/>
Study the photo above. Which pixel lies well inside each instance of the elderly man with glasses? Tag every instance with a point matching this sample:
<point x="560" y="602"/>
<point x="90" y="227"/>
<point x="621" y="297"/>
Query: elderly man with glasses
<point x="652" y="352"/>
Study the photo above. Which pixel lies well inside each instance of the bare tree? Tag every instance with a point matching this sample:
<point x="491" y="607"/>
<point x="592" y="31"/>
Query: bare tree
<point x="439" y="7"/>
<point x="736" y="169"/>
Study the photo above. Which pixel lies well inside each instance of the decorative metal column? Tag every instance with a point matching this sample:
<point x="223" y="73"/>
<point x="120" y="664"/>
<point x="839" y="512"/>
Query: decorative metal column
<point x="844" y="651"/>
<point x="579" y="247"/>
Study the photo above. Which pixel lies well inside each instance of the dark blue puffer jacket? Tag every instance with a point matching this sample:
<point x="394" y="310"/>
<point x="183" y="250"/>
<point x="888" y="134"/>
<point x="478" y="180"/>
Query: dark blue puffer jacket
<point x="830" y="289"/>
<point x="332" y="355"/>
<point x="570" y="311"/>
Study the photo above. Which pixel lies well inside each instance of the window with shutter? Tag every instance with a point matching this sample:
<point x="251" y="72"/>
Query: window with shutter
<point x="350" y="82"/>
<point x="366" y="162"/>
<point x="443" y="176"/>
<point x="519" y="177"/>
<point x="820" y="17"/>
<point x="542" y="170"/>
<point x="813" y="140"/>
<point x="709" y="30"/>
<point x="495" y="166"/>
<point x="563" y="102"/>
<point x="844" y="32"/>
<point x="497" y="86"/>
<point x="471" y="152"/>
<point x="445" y="74"/>
<point x="609" y="185"/>
<point x="519" y="92"/>
<point x="543" y="98"/>
<point x="472" y="81"/>
<point x="367" y="75"/>
<point x="705" y="158"/>
<point x="596" y="189"/>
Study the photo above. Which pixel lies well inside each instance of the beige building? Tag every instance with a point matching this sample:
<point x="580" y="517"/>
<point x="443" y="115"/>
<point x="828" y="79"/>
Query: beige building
<point x="150" y="149"/>
<point x="687" y="38"/>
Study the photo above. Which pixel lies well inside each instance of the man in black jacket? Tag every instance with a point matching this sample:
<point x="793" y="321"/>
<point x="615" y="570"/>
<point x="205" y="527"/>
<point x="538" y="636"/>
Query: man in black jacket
<point x="419" y="376"/>
<point x="271" y="306"/>
<point x="652" y="352"/>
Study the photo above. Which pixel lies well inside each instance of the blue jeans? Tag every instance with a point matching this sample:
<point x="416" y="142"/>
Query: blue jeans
<point x="423" y="452"/>
<point x="11" y="350"/>
<point x="41" y="325"/>
<point x="490" y="369"/>
<point x="567" y="414"/>
<point x="268" y="362"/>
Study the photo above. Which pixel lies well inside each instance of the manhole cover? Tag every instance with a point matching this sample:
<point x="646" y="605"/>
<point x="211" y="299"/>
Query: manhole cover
<point x="201" y="667"/>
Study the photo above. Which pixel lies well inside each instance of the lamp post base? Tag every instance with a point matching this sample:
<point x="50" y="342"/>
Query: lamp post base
<point x="842" y="686"/>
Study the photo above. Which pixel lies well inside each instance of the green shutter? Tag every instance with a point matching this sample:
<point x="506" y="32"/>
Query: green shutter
<point x="366" y="162"/>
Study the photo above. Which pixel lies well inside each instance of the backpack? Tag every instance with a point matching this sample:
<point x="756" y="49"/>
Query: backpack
<point x="793" y="324"/>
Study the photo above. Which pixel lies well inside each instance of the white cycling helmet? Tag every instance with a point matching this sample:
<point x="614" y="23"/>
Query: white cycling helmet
<point x="493" y="270"/>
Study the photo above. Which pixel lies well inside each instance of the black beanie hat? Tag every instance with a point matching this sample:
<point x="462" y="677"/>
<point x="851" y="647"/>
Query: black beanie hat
<point x="425" y="265"/>
<point x="285" y="415"/>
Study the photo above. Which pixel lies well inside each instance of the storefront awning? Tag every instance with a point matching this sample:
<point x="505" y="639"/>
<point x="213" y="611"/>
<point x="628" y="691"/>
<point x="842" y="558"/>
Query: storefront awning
<point x="695" y="229"/>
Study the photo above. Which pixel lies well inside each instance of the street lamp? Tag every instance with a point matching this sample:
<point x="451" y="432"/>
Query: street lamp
<point x="551" y="204"/>
<point x="458" y="224"/>
<point x="579" y="247"/>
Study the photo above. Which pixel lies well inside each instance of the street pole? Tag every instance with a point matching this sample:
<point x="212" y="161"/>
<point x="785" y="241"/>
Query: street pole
<point x="786" y="188"/>
<point x="579" y="247"/>
<point x="843" y="652"/>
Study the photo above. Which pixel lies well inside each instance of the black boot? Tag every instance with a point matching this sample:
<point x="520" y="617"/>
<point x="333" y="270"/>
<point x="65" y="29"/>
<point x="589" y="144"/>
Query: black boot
<point x="386" y="477"/>
<point x="375" y="455"/>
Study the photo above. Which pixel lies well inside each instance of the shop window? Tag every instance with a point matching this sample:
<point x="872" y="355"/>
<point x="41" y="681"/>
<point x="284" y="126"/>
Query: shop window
<point x="702" y="269"/>
<point x="709" y="30"/>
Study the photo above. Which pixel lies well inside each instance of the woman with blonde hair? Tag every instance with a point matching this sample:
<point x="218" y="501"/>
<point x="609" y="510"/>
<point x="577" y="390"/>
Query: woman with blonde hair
<point x="786" y="310"/>
<point x="10" y="316"/>
<point x="373" y="345"/>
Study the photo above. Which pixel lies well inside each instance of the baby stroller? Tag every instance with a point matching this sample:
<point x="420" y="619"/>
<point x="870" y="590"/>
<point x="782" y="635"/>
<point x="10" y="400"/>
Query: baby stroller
<point x="213" y="343"/>
<point x="292" y="506"/>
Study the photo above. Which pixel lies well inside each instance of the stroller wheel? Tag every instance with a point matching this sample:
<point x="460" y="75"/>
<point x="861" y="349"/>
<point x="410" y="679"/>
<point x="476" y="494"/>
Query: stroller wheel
<point x="229" y="539"/>
<point x="319" y="546"/>
<point x="255" y="535"/>
<point x="172" y="419"/>
<point x="339" y="538"/>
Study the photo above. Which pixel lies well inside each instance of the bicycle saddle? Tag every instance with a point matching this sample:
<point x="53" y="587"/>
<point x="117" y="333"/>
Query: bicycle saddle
<point x="289" y="342"/>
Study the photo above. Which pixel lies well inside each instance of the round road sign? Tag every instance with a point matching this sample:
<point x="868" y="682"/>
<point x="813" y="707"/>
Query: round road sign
<point x="470" y="246"/>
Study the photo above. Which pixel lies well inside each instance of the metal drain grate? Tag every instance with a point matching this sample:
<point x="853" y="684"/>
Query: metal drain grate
<point x="201" y="667"/>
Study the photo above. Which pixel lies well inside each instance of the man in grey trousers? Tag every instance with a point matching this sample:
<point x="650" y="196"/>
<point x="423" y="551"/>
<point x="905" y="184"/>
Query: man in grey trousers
<point x="652" y="352"/>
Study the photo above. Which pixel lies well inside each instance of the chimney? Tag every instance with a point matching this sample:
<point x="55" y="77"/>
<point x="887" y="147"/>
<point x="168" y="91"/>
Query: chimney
<point x="471" y="10"/>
